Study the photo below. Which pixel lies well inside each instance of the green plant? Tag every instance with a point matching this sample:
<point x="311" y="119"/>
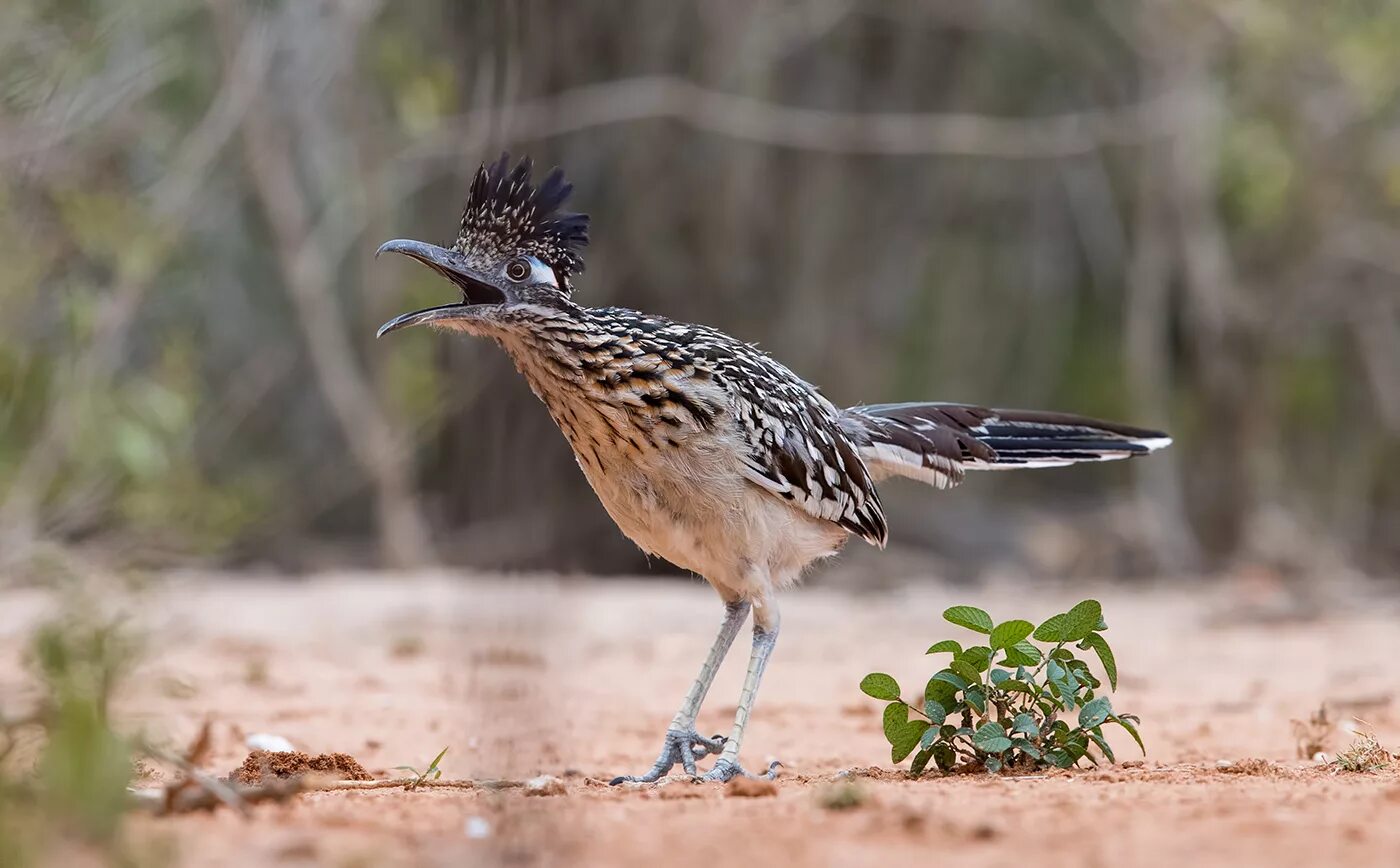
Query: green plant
<point x="431" y="773"/>
<point x="1007" y="712"/>
<point x="63" y="768"/>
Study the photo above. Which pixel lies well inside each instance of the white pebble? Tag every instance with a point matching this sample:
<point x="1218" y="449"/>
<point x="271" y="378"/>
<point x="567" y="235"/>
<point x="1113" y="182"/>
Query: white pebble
<point x="268" y="742"/>
<point x="478" y="828"/>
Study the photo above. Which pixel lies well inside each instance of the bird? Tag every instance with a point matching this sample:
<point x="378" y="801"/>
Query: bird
<point x="704" y="449"/>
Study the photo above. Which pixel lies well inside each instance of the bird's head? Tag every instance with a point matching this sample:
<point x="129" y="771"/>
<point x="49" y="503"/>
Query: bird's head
<point x="515" y="249"/>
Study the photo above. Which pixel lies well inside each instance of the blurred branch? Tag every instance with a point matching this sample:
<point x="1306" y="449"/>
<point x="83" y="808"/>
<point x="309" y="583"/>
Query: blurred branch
<point x="94" y="102"/>
<point x="742" y="117"/>
<point x="309" y="277"/>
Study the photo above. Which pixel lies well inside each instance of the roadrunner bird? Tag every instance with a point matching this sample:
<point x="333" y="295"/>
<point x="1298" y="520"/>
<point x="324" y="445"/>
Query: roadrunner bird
<point x="703" y="449"/>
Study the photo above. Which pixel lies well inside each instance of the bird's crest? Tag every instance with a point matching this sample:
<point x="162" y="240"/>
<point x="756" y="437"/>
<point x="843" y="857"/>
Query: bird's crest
<point x="506" y="214"/>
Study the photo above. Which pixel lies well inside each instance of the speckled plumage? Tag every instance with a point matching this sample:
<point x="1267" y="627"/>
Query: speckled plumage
<point x="703" y="449"/>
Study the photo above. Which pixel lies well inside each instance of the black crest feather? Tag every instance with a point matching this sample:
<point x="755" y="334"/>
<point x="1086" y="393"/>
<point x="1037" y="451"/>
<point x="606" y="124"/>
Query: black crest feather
<point x="507" y="214"/>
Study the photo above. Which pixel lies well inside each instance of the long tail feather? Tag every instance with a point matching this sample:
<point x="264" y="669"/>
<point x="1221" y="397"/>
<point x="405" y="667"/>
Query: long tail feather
<point x="937" y="443"/>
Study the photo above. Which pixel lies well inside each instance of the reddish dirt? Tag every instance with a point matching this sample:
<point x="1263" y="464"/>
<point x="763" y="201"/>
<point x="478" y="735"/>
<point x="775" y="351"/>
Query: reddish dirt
<point x="577" y="679"/>
<point x="285" y="765"/>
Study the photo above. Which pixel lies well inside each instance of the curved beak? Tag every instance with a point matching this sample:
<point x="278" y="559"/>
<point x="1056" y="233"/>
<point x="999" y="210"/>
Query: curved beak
<point x="476" y="290"/>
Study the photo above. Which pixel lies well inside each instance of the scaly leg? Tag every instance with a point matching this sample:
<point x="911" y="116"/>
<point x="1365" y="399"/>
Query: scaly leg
<point x="683" y="744"/>
<point x="765" y="636"/>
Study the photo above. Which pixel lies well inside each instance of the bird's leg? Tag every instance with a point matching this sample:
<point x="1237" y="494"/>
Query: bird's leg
<point x="765" y="636"/>
<point x="683" y="744"/>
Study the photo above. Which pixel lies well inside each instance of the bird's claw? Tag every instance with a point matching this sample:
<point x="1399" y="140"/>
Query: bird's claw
<point x="683" y="747"/>
<point x="726" y="769"/>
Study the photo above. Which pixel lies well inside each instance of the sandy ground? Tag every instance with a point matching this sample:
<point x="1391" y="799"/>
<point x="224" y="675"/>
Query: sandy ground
<point x="578" y="678"/>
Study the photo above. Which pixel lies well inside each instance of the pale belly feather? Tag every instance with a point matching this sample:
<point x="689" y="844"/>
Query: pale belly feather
<point x="694" y="508"/>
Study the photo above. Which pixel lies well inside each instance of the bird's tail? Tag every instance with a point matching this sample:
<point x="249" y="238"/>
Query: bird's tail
<point x="935" y="443"/>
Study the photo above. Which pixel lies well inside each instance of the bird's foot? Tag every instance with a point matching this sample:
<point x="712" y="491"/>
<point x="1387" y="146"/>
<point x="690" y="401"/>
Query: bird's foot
<point x="727" y="769"/>
<point x="683" y="746"/>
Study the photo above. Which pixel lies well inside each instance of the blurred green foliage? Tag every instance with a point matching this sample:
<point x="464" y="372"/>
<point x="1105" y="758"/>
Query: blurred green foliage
<point x="1220" y="260"/>
<point x="73" y="793"/>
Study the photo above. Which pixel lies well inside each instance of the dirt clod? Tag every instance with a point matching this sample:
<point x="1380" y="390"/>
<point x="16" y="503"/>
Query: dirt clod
<point x="1252" y="766"/>
<point x="544" y="785"/>
<point x="673" y="790"/>
<point x="286" y="765"/>
<point x="842" y="796"/>
<point x="751" y="788"/>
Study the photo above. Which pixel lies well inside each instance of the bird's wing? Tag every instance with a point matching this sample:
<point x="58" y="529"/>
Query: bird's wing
<point x="933" y="443"/>
<point x="796" y="448"/>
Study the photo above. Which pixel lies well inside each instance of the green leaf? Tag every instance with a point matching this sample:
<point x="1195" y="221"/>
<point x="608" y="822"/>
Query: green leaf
<point x="1100" y="646"/>
<point x="906" y="739"/>
<point x="1022" y="654"/>
<point x="999" y="676"/>
<point x="1008" y="633"/>
<point x="921" y="761"/>
<point x="993" y="764"/>
<point x="1060" y="758"/>
<point x="953" y="678"/>
<point x="437" y="759"/>
<point x="1026" y="748"/>
<point x="1132" y="730"/>
<point x="1083" y="619"/>
<point x="1025" y="722"/>
<point x="991" y="738"/>
<point x="935" y="711"/>
<point x="1069" y="681"/>
<point x="1053" y="629"/>
<point x="931" y="735"/>
<point x="1063" y="682"/>
<point x="879" y="686"/>
<point x="970" y="674"/>
<point x="976" y="698"/>
<point x="940" y="691"/>
<point x="1015" y="685"/>
<point x="1094" y="712"/>
<point x="945" y="755"/>
<point x="979" y="657"/>
<point x="945" y="645"/>
<point x="1077" y="743"/>
<point x="970" y="617"/>
<point x="896" y="715"/>
<point x="1097" y="735"/>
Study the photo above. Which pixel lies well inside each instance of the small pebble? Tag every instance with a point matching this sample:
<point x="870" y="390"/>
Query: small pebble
<point x="478" y="828"/>
<point x="268" y="742"/>
<point x="544" y="785"/>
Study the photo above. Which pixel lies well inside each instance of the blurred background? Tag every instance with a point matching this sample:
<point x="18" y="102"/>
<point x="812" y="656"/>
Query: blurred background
<point x="1177" y="214"/>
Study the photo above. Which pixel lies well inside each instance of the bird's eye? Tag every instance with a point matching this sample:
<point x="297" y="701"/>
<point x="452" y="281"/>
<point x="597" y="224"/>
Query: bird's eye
<point x="518" y="269"/>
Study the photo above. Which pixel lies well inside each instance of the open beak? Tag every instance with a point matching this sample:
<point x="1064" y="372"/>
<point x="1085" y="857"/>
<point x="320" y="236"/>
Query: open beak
<point x="451" y="265"/>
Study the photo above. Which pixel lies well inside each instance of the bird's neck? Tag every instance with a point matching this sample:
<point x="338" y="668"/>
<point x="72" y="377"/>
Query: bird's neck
<point x="608" y="373"/>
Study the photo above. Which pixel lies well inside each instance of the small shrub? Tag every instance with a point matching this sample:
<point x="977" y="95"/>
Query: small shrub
<point x="981" y="711"/>
<point x="1364" y="755"/>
